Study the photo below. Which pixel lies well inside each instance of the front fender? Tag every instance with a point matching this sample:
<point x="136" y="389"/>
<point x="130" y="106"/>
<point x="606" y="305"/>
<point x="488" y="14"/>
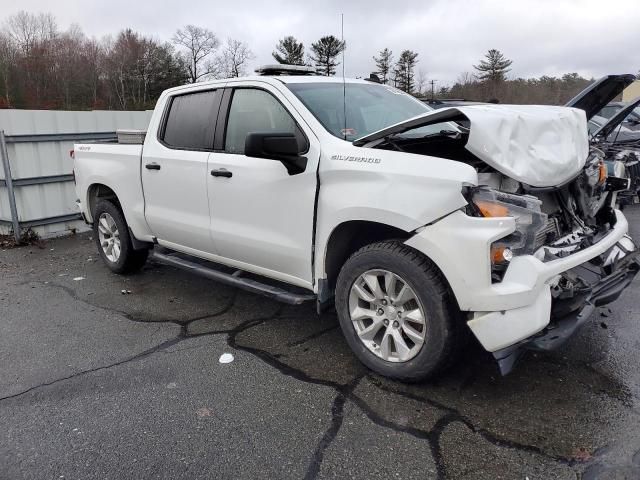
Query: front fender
<point x="401" y="190"/>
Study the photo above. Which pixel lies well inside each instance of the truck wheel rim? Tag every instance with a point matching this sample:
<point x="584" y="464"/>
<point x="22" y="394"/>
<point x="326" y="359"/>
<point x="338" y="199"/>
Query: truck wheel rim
<point x="387" y="315"/>
<point x="109" y="237"/>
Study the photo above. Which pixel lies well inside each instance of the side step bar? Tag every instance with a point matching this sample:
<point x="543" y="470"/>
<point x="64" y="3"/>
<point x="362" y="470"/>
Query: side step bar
<point x="234" y="279"/>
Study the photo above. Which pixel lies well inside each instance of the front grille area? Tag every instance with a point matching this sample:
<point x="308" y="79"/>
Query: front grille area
<point x="548" y="234"/>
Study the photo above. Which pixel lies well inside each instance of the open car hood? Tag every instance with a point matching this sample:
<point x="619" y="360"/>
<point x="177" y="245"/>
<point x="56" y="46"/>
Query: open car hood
<point x="541" y="146"/>
<point x="607" y="129"/>
<point x="597" y="95"/>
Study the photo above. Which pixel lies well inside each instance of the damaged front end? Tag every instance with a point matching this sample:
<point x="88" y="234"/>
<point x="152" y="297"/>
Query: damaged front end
<point x="552" y="224"/>
<point x="568" y="252"/>
<point x="575" y="295"/>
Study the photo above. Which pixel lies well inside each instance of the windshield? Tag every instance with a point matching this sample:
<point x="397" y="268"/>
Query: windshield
<point x="369" y="107"/>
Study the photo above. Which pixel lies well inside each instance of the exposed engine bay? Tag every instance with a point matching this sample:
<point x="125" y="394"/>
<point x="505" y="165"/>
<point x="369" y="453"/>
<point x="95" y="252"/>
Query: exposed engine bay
<point x="551" y="222"/>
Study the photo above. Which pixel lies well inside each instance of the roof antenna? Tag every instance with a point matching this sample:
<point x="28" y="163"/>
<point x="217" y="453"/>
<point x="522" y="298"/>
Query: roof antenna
<point x="344" y="83"/>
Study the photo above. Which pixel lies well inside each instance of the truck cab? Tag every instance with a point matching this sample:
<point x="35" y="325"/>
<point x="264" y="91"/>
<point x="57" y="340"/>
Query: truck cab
<point x="420" y="225"/>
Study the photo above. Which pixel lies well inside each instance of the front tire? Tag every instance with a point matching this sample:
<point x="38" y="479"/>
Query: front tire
<point x="113" y="239"/>
<point x="397" y="313"/>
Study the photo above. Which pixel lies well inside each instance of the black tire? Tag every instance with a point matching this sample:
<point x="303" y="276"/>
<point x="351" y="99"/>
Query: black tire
<point x="445" y="333"/>
<point x="129" y="260"/>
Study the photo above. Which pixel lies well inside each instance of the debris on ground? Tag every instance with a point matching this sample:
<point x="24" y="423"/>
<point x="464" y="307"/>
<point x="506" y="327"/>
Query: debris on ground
<point x="29" y="237"/>
<point x="226" y="358"/>
<point x="581" y="454"/>
<point x="203" y="412"/>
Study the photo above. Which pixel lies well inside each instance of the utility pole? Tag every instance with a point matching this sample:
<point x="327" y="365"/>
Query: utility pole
<point x="432" y="82"/>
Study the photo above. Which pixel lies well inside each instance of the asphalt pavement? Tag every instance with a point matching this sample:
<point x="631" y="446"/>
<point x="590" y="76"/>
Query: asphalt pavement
<point x="111" y="377"/>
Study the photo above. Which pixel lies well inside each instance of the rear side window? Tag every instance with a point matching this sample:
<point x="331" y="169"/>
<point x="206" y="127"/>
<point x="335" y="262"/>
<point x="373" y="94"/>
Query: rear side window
<point x="190" y="122"/>
<point x="257" y="111"/>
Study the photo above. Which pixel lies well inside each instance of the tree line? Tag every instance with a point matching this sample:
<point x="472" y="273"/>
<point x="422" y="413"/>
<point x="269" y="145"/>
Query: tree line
<point x="44" y="67"/>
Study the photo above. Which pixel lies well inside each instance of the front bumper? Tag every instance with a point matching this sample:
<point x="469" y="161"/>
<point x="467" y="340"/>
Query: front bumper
<point x="517" y="308"/>
<point x="603" y="290"/>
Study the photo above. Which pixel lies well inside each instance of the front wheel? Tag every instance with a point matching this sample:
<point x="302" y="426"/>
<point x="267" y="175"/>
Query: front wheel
<point x="113" y="239"/>
<point x="396" y="312"/>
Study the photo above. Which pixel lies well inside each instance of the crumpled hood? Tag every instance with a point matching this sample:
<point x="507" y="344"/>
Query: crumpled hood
<point x="538" y="145"/>
<point x="541" y="146"/>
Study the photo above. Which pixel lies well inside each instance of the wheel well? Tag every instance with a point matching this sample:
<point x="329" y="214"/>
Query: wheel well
<point x="349" y="237"/>
<point x="98" y="191"/>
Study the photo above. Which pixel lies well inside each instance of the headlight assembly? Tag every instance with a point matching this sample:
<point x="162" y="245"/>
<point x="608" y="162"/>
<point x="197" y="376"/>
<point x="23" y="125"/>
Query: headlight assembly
<point x="531" y="223"/>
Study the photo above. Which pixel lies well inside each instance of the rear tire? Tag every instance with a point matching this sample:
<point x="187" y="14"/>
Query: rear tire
<point x="409" y="334"/>
<point x="111" y="234"/>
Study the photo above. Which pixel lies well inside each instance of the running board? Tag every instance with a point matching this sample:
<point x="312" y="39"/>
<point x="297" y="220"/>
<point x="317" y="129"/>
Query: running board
<point x="234" y="279"/>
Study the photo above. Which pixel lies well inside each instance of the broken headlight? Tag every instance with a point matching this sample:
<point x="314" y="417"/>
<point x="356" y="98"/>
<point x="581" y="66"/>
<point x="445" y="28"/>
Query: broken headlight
<point x="531" y="223"/>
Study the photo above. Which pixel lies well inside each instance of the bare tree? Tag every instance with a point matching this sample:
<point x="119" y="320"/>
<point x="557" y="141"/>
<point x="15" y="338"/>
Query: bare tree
<point x="27" y="29"/>
<point x="233" y="60"/>
<point x="7" y="65"/>
<point x="138" y="69"/>
<point x="200" y="43"/>
<point x="93" y="58"/>
<point x="421" y="82"/>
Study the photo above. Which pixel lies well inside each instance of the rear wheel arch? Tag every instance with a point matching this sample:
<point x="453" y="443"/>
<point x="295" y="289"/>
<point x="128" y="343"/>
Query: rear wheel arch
<point x="100" y="191"/>
<point x="114" y="240"/>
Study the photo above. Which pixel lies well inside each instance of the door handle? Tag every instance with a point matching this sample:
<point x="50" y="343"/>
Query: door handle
<point x="222" y="172"/>
<point x="152" y="166"/>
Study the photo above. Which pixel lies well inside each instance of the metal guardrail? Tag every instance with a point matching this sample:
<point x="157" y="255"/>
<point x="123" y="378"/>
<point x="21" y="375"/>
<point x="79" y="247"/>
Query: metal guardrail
<point x="11" y="183"/>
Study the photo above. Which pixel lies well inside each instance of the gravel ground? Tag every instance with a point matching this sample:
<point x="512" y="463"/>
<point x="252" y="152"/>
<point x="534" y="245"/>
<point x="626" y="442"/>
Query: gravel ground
<point x="95" y="383"/>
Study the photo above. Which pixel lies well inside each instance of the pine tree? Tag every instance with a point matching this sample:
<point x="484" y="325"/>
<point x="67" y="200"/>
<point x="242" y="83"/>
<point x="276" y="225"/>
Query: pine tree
<point x="289" y="51"/>
<point x="383" y="64"/>
<point x="404" y="71"/>
<point x="495" y="67"/>
<point x="325" y="52"/>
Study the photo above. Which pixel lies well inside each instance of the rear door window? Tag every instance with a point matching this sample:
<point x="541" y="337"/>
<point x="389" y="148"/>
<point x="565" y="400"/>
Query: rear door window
<point x="190" y="123"/>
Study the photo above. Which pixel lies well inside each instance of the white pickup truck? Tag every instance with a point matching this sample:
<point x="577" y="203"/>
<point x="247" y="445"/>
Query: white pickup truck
<point x="421" y="225"/>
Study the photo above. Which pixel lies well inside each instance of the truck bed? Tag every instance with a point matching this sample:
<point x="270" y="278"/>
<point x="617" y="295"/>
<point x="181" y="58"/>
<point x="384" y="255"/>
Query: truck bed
<point x="117" y="165"/>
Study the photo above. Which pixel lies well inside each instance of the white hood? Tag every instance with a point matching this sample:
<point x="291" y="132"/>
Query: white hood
<point x="538" y="145"/>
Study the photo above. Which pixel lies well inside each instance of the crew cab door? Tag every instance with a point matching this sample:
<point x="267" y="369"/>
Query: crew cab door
<point x="262" y="216"/>
<point x="175" y="170"/>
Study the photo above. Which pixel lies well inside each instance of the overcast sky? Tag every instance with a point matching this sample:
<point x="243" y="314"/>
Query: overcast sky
<point x="552" y="37"/>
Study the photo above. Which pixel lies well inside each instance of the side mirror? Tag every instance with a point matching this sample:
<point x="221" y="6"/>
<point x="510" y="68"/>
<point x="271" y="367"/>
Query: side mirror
<point x="276" y="146"/>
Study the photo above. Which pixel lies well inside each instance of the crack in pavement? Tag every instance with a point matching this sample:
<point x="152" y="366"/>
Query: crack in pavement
<point x="74" y="295"/>
<point x="344" y="392"/>
<point x="337" y="417"/>
<point x="182" y="336"/>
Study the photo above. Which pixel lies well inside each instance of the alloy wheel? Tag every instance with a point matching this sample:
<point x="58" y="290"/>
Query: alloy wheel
<point x="387" y="315"/>
<point x="109" y="237"/>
